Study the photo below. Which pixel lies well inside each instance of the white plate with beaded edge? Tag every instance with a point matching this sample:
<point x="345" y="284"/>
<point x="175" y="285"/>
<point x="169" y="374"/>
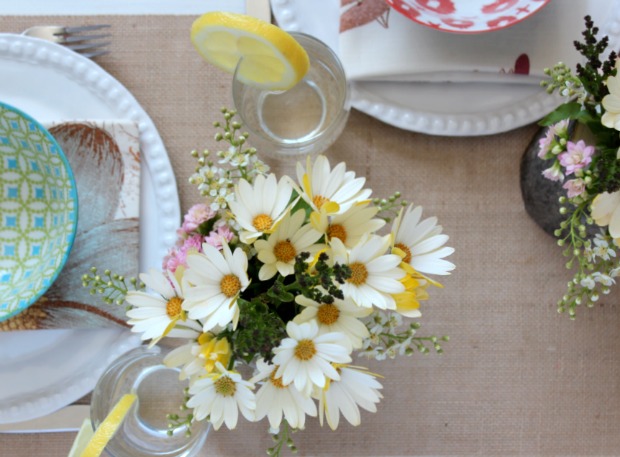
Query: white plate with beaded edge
<point x="446" y="109"/>
<point x="44" y="370"/>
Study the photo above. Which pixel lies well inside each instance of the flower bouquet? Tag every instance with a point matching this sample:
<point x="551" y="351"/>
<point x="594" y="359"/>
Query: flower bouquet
<point x="581" y="145"/>
<point x="288" y="278"/>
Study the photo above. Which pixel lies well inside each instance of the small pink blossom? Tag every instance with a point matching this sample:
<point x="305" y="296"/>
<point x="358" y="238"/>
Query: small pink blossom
<point x="577" y="156"/>
<point x="545" y="143"/>
<point x="549" y="143"/>
<point x="553" y="173"/>
<point x="574" y="187"/>
<point x="178" y="257"/>
<point x="171" y="261"/>
<point x="196" y="215"/>
<point x="215" y="238"/>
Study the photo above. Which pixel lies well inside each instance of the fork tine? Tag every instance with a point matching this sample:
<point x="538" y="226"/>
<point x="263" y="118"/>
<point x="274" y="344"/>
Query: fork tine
<point x="83" y="46"/>
<point x="84" y="28"/>
<point x="93" y="54"/>
<point x="75" y="38"/>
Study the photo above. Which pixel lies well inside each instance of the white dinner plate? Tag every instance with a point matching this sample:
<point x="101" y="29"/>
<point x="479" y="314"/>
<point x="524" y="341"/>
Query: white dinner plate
<point x="44" y="370"/>
<point x="450" y="109"/>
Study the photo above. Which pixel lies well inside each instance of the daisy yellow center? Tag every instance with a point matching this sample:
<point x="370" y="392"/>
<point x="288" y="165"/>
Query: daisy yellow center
<point x="337" y="231"/>
<point x="319" y="201"/>
<point x="173" y="307"/>
<point x="225" y="386"/>
<point x="262" y="222"/>
<point x="327" y="314"/>
<point x="305" y="350"/>
<point x="406" y="250"/>
<point x="277" y="382"/>
<point x="284" y="251"/>
<point x="230" y="285"/>
<point x="359" y="273"/>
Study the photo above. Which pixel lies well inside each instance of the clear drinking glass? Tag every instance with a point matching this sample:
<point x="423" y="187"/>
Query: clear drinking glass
<point x="144" y="431"/>
<point x="305" y="119"/>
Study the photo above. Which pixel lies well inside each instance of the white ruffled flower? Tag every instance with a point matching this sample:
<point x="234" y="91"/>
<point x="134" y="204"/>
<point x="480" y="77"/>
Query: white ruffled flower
<point x="606" y="212"/>
<point x="611" y="103"/>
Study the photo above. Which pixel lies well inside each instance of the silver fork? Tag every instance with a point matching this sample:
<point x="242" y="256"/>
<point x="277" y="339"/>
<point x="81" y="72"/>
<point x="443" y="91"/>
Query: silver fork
<point x="75" y="38"/>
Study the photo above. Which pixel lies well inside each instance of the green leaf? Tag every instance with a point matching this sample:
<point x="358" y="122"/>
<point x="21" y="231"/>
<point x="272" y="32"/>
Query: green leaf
<point x="570" y="110"/>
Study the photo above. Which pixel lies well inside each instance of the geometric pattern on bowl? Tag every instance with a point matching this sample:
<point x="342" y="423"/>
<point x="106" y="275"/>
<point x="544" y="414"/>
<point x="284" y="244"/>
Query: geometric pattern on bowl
<point x="38" y="210"/>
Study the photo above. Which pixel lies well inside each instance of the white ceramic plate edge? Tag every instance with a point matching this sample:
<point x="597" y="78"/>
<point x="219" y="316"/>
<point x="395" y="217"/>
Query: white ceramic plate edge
<point x="160" y="216"/>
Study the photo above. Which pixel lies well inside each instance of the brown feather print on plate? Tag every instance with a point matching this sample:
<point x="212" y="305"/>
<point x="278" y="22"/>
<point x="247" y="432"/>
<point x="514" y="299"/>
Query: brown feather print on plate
<point x="355" y="13"/>
<point x="105" y="160"/>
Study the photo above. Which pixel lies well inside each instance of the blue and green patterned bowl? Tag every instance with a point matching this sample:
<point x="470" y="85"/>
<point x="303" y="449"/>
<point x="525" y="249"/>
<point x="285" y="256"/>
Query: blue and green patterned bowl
<point x="38" y="210"/>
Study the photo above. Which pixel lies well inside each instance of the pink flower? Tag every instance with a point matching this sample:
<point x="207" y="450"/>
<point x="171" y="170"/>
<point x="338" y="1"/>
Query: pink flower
<point x="553" y="173"/>
<point x="196" y="215"/>
<point x="576" y="157"/>
<point x="549" y="144"/>
<point x="215" y="238"/>
<point x="171" y="261"/>
<point x="178" y="257"/>
<point x="575" y="187"/>
<point x="545" y="143"/>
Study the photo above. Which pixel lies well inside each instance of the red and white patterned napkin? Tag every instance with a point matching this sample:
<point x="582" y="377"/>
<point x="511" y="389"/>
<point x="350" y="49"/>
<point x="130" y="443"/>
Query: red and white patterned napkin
<point x="378" y="43"/>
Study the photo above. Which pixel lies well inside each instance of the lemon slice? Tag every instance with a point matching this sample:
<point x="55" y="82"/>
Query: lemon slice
<point x="93" y="444"/>
<point x="272" y="59"/>
<point x="81" y="440"/>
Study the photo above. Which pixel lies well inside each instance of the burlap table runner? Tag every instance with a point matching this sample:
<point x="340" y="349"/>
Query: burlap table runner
<point x="516" y="377"/>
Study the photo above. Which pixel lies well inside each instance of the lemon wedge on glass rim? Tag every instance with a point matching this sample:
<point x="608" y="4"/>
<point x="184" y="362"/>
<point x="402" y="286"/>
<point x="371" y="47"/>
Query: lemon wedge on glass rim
<point x="272" y="58"/>
<point x="89" y="443"/>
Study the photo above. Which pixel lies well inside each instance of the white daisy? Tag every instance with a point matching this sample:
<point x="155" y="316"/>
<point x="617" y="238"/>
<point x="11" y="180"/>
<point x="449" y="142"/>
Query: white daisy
<point x="350" y="225"/>
<point x="258" y="207"/>
<point x="341" y="316"/>
<point x="274" y="399"/>
<point x="156" y="316"/>
<point x="199" y="356"/>
<point x="289" y="239"/>
<point x="375" y="275"/>
<point x="421" y="242"/>
<point x="221" y="396"/>
<point x="356" y="388"/>
<point x="215" y="280"/>
<point x="333" y="191"/>
<point x="305" y="358"/>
